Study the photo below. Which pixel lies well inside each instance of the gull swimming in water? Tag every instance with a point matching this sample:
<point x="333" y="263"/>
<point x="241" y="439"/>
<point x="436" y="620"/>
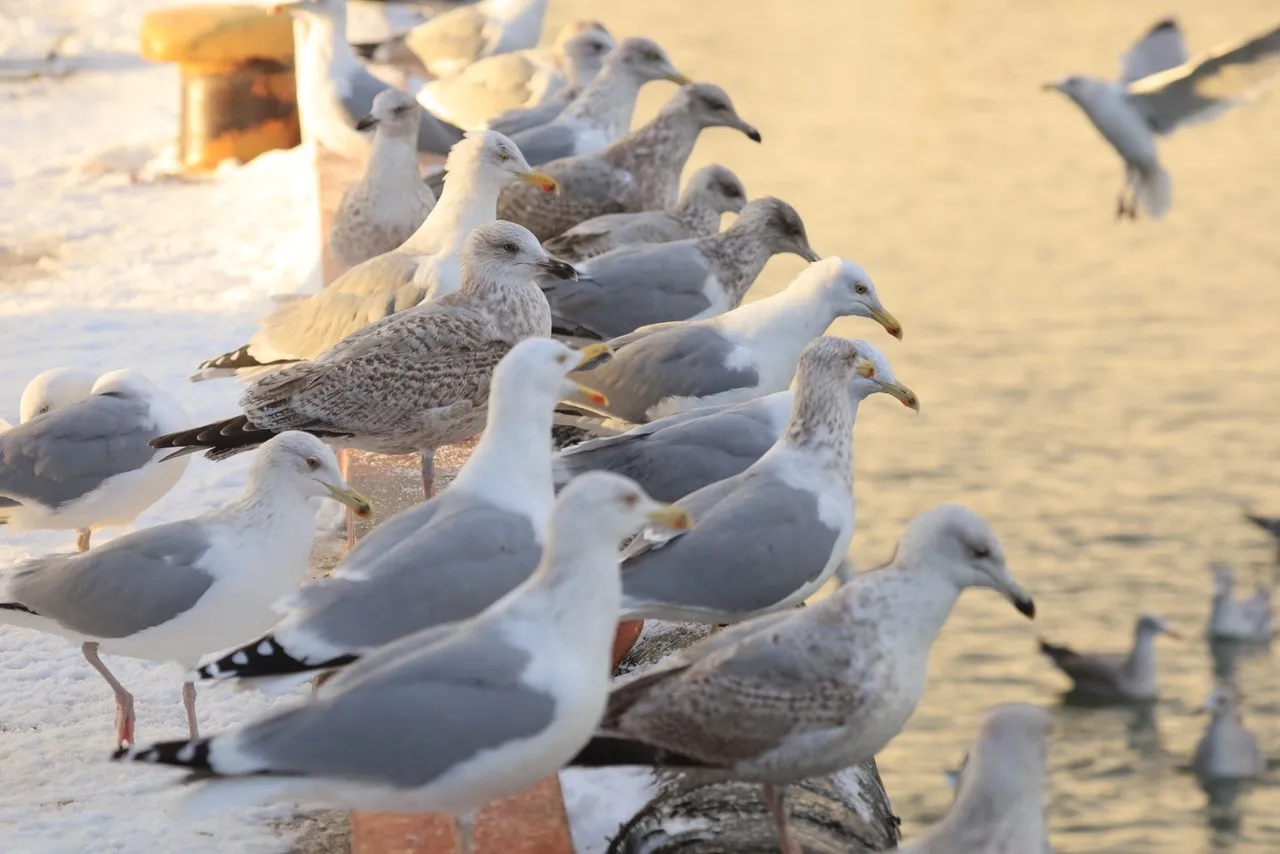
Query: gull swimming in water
<point x="1227" y="750"/>
<point x="1115" y="676"/>
<point x="1248" y="620"/>
<point x="1160" y="90"/>
<point x="177" y="591"/>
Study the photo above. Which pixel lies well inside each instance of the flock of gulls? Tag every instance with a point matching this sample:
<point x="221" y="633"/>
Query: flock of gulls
<point x="554" y="279"/>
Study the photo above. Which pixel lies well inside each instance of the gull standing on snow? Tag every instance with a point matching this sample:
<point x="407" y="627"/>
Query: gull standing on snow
<point x="636" y="286"/>
<point x="408" y="383"/>
<point x="87" y="465"/>
<point x="1160" y="90"/>
<point x="680" y="454"/>
<point x="711" y="191"/>
<point x="390" y="201"/>
<point x="1115" y="676"/>
<point x="442" y="561"/>
<point x="52" y="389"/>
<point x="427" y="265"/>
<point x="1248" y="620"/>
<point x="1227" y="751"/>
<point x="743" y="354"/>
<point x="640" y="172"/>
<point x="334" y="88"/>
<point x="768" y="538"/>
<point x="808" y="692"/>
<point x="449" y="719"/>
<point x="184" y="589"/>
<point x="999" y="808"/>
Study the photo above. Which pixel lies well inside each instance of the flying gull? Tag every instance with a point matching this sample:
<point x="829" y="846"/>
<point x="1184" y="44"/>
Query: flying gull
<point x="184" y="589"/>
<point x="87" y="465"/>
<point x="426" y="265"/>
<point x="747" y="352"/>
<point x="442" y="561"/>
<point x="511" y="694"/>
<point x="1249" y="620"/>
<point x="1114" y="676"/>
<point x="680" y="454"/>
<point x="408" y="383"/>
<point x="640" y="172"/>
<point x="807" y="692"/>
<point x="710" y="192"/>
<point x="389" y="202"/>
<point x="1160" y="90"/>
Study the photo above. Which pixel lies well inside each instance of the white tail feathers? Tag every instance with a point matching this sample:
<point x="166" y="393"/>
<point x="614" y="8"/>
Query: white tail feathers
<point x="220" y="794"/>
<point x="1154" y="190"/>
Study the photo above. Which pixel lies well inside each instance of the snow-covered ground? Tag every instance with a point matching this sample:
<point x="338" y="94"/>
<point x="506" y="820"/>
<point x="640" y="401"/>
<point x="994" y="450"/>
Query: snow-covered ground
<point x="104" y="271"/>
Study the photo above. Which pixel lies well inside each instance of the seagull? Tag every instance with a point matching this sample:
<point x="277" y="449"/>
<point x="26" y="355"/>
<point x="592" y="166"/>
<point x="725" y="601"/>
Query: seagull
<point x="711" y="191"/>
<point x="408" y="383"/>
<point x="448" y="43"/>
<point x="1115" y="676"/>
<point x="390" y="202"/>
<point x="1227" y="750"/>
<point x="509" y="696"/>
<point x="452" y="556"/>
<point x="999" y="808"/>
<point x="583" y="58"/>
<point x="680" y="454"/>
<point x="87" y="465"/>
<point x="640" y="172"/>
<point x="53" y="389"/>
<point x="334" y="88"/>
<point x="1248" y="620"/>
<point x="635" y="286"/>
<point x="1160" y="90"/>
<point x="427" y="265"/>
<point x="745" y="353"/>
<point x="180" y="590"/>
<point x="804" y="693"/>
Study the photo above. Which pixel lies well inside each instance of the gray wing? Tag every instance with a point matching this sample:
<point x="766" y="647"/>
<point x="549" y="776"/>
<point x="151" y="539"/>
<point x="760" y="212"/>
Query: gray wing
<point x="606" y="233"/>
<point x="635" y="286"/>
<point x="589" y="187"/>
<point x="303" y="329"/>
<point x="673" y="361"/>
<point x="455" y="37"/>
<point x="519" y="119"/>
<point x="688" y="451"/>
<point x="755" y="541"/>
<point x="407" y="721"/>
<point x="1090" y="672"/>
<point x="1204" y="87"/>
<point x="380" y="274"/>
<point x="130" y="584"/>
<point x="465" y="558"/>
<point x="58" y="457"/>
<point x="544" y="144"/>
<point x="1160" y="48"/>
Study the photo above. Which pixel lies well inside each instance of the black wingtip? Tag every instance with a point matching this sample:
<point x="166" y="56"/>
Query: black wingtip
<point x="265" y="658"/>
<point x="366" y="50"/>
<point x="606" y="751"/>
<point x="15" y="606"/>
<point x="193" y="754"/>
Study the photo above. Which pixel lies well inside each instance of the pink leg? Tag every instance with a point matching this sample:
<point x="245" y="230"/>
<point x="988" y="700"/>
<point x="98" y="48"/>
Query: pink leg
<point x="82" y="540"/>
<point x="429" y="473"/>
<point x="776" y="798"/>
<point x="124" y="700"/>
<point x="189" y="703"/>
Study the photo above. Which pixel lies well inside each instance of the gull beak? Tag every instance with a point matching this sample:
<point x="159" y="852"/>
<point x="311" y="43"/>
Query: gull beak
<point x="1051" y="86"/>
<point x="902" y="393"/>
<point x="366" y="123"/>
<point x="808" y="254"/>
<point x="1171" y="633"/>
<point x="358" y="503"/>
<point x="672" y="516"/>
<point x="593" y="356"/>
<point x="583" y="395"/>
<point x="752" y="133"/>
<point x="557" y="269"/>
<point x="677" y="78"/>
<point x="888" y="321"/>
<point x="541" y="180"/>
<point x="1020" y="598"/>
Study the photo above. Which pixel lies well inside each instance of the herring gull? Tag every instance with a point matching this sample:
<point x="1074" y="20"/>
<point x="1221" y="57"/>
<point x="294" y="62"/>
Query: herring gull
<point x="1114" y="676"/>
<point x="408" y="383"/>
<point x="54" y="389"/>
<point x="1160" y="90"/>
<point x="511" y="694"/>
<point x="1249" y="620"/>
<point x="582" y="61"/>
<point x="640" y="172"/>
<point x="438" y="562"/>
<point x="710" y="192"/>
<point x="807" y="692"/>
<point x="87" y="465"/>
<point x="183" y="589"/>
<point x="1227" y="750"/>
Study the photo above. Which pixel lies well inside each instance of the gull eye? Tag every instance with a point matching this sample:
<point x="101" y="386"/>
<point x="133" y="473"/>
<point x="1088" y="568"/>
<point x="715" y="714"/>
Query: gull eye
<point x="504" y="156"/>
<point x="42" y="410"/>
<point x="980" y="552"/>
<point x="859" y="289"/>
<point x="510" y="247"/>
<point x="630" y="499"/>
<point x="312" y="463"/>
<point x="561" y="359"/>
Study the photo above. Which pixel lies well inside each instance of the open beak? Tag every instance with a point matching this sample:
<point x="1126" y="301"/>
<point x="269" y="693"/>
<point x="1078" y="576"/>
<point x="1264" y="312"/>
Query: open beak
<point x="358" y="503"/>
<point x="593" y="355"/>
<point x="672" y="516"/>
<point x="557" y="270"/>
<point x="888" y="321"/>
<point x="366" y="123"/>
<point x="541" y="180"/>
<point x="902" y="393"/>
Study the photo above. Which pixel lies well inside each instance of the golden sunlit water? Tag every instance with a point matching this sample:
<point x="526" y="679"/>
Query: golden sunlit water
<point x="1107" y="395"/>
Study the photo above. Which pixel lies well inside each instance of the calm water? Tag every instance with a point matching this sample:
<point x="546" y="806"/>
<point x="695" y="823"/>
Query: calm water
<point x="1105" y="394"/>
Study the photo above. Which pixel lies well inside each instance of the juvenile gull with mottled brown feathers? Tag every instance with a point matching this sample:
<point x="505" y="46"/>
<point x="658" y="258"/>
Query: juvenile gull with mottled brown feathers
<point x="640" y="172"/>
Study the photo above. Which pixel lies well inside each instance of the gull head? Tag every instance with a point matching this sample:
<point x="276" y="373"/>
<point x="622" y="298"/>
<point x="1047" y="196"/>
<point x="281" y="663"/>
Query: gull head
<point x="1220" y="702"/>
<point x="1078" y="87"/>
<point x="1224" y="580"/>
<point x="539" y="368"/>
<point x="1150" y="625"/>
<point x="777" y="225"/>
<point x="583" y="46"/>
<point x="849" y="290"/>
<point x="710" y="106"/>
<point x="126" y="383"/>
<point x="719" y="188"/>
<point x="961" y="546"/>
<point x="1012" y="749"/>
<point x="645" y="60"/>
<point x="828" y="364"/>
<point x="303" y="462"/>
<point x="612" y="507"/>
<point x="54" y="389"/>
<point x="487" y="155"/>
<point x="881" y="381"/>
<point x="502" y="251"/>
<point x="394" y="112"/>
